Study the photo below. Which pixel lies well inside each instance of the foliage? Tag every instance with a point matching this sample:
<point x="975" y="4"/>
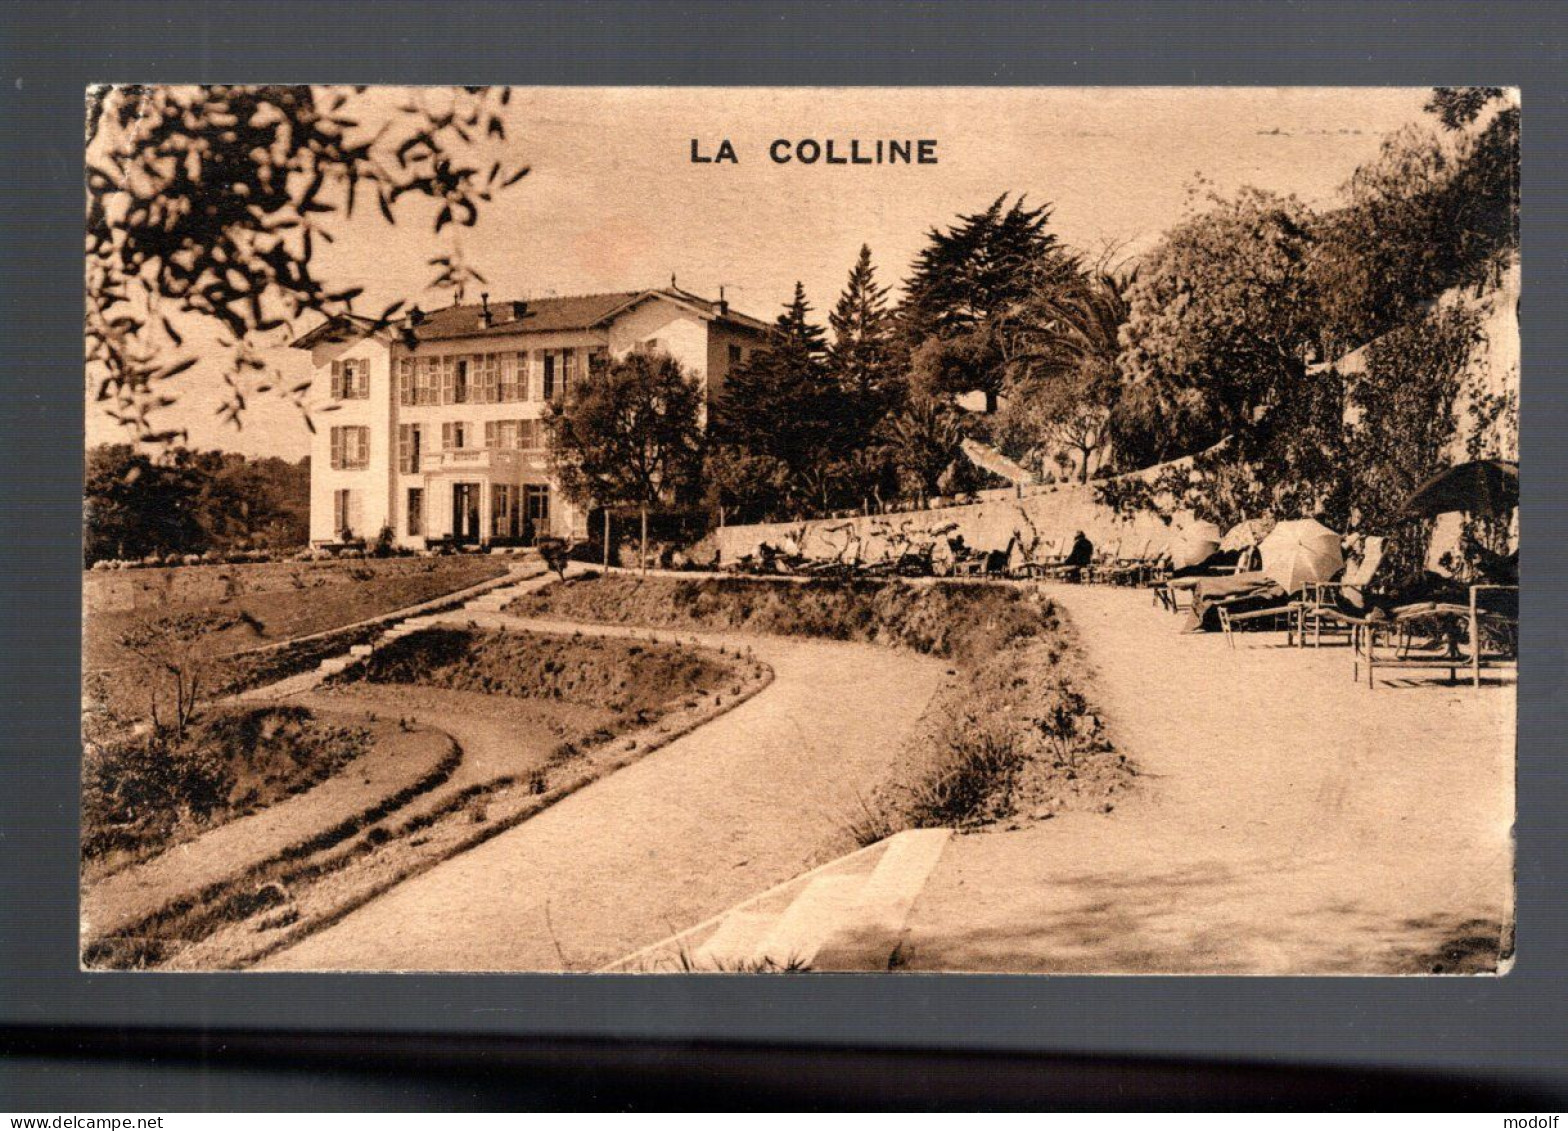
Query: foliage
<point x="204" y="205"/>
<point x="185" y="502"/>
<point x="964" y="290"/>
<point x="780" y="415"/>
<point x="1063" y="388"/>
<point x="141" y="792"/>
<point x="1220" y="322"/>
<point x="1405" y="403"/>
<point x="926" y="440"/>
<point x="630" y="437"/>
<point x="863" y="358"/>
<point x="1435" y="209"/>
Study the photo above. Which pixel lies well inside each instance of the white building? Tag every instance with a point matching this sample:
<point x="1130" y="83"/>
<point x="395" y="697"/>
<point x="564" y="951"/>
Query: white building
<point x="435" y="431"/>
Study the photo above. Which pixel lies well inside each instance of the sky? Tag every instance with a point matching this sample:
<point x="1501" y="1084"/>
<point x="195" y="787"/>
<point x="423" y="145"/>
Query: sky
<point x="614" y="202"/>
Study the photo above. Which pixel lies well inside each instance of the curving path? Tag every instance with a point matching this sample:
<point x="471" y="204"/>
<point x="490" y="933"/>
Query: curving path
<point x="744" y="802"/>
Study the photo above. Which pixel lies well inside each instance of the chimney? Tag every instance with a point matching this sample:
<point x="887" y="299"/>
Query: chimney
<point x="724" y="307"/>
<point x="415" y="315"/>
<point x="484" y="309"/>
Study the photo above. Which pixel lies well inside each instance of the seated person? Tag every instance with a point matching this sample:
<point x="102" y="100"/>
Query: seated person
<point x="1078" y="558"/>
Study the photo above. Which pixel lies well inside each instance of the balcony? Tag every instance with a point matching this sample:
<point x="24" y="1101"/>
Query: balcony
<point x="501" y="463"/>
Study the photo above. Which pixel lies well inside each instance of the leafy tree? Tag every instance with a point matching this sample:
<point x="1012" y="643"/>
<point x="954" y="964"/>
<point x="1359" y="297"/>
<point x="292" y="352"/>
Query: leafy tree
<point x="1404" y="411"/>
<point x="964" y="288"/>
<point x="204" y="205"/>
<point x="136" y="506"/>
<point x="926" y="440"/>
<point x="633" y="437"/>
<point x="184" y="502"/>
<point x="1435" y="209"/>
<point x="1221" y="322"/>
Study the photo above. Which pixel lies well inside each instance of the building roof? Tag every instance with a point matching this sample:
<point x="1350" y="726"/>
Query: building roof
<point x="531" y="316"/>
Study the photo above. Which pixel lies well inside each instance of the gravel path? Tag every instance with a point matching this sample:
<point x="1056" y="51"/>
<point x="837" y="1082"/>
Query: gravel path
<point x="1288" y="819"/>
<point x="738" y="805"/>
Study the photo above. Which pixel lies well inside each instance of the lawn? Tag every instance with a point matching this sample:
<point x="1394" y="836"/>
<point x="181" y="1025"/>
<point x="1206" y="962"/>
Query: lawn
<point x="251" y="607"/>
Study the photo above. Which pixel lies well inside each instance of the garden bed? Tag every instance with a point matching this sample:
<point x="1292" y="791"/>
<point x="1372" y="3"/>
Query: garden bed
<point x="142" y="794"/>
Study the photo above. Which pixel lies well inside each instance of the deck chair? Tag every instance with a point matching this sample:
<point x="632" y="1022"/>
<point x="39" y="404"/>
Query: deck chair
<point x="1322" y="602"/>
<point x="1489" y="620"/>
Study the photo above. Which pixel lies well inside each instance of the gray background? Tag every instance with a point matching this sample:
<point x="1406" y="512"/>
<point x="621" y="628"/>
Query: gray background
<point x="1517" y="1026"/>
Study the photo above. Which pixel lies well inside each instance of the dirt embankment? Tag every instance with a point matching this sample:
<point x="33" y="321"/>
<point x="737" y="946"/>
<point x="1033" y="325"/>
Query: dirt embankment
<point x="634" y="680"/>
<point x="1012" y="734"/>
<point x="144" y="793"/>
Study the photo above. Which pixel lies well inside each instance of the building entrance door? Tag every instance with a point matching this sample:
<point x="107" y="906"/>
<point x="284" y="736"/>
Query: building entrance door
<point x="465" y="512"/>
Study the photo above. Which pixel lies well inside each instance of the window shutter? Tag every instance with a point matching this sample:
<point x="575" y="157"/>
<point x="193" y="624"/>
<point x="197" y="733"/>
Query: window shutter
<point x="489" y="433"/>
<point x="362" y="379"/>
<point x="337" y="380"/>
<point x="355" y="518"/>
<point x="446" y="435"/>
<point x="337" y="448"/>
<point x="448" y="379"/>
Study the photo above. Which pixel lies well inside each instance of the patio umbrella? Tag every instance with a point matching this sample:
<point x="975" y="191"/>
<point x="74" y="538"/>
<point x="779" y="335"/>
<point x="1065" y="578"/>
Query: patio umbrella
<point x="1487" y="487"/>
<point x="1300" y="552"/>
<point x="1248" y="532"/>
<point x="1194" y="543"/>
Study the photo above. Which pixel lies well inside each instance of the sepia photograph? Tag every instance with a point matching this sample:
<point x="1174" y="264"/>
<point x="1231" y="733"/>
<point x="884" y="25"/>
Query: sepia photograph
<point x="1028" y="530"/>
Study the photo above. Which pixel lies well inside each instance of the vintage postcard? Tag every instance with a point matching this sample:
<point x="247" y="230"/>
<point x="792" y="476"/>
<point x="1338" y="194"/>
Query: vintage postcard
<point x="785" y="530"/>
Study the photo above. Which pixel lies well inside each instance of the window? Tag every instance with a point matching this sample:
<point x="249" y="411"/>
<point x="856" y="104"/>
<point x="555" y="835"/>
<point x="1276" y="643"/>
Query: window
<point x="736" y="356"/>
<point x="514" y="435"/>
<point x="651" y="345"/>
<point x="559" y="371"/>
<point x="427" y="381"/>
<point x="416" y="510"/>
<point x="408" y="444"/>
<point x="350" y="379"/>
<point x="345" y="514"/>
<point x="455" y="434"/>
<point x="514" y="377"/>
<point x="350" y="447"/>
<point x="503" y="511"/>
<point x="489" y="378"/>
<point x="536" y="503"/>
<point x="460" y="374"/>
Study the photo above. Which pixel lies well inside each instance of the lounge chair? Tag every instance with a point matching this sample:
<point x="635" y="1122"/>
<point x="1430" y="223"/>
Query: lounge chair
<point x="1489" y="619"/>
<point x="1336" y="603"/>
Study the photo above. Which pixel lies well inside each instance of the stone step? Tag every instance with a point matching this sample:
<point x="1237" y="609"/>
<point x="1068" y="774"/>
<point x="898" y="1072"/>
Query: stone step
<point x="808" y="922"/>
<point x="733" y="944"/>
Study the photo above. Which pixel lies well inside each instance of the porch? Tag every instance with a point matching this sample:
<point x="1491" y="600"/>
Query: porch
<point x="484" y="497"/>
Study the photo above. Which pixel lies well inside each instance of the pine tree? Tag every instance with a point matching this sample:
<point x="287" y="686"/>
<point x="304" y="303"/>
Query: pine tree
<point x="779" y="403"/>
<point x="963" y="289"/>
<point x="863" y="355"/>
